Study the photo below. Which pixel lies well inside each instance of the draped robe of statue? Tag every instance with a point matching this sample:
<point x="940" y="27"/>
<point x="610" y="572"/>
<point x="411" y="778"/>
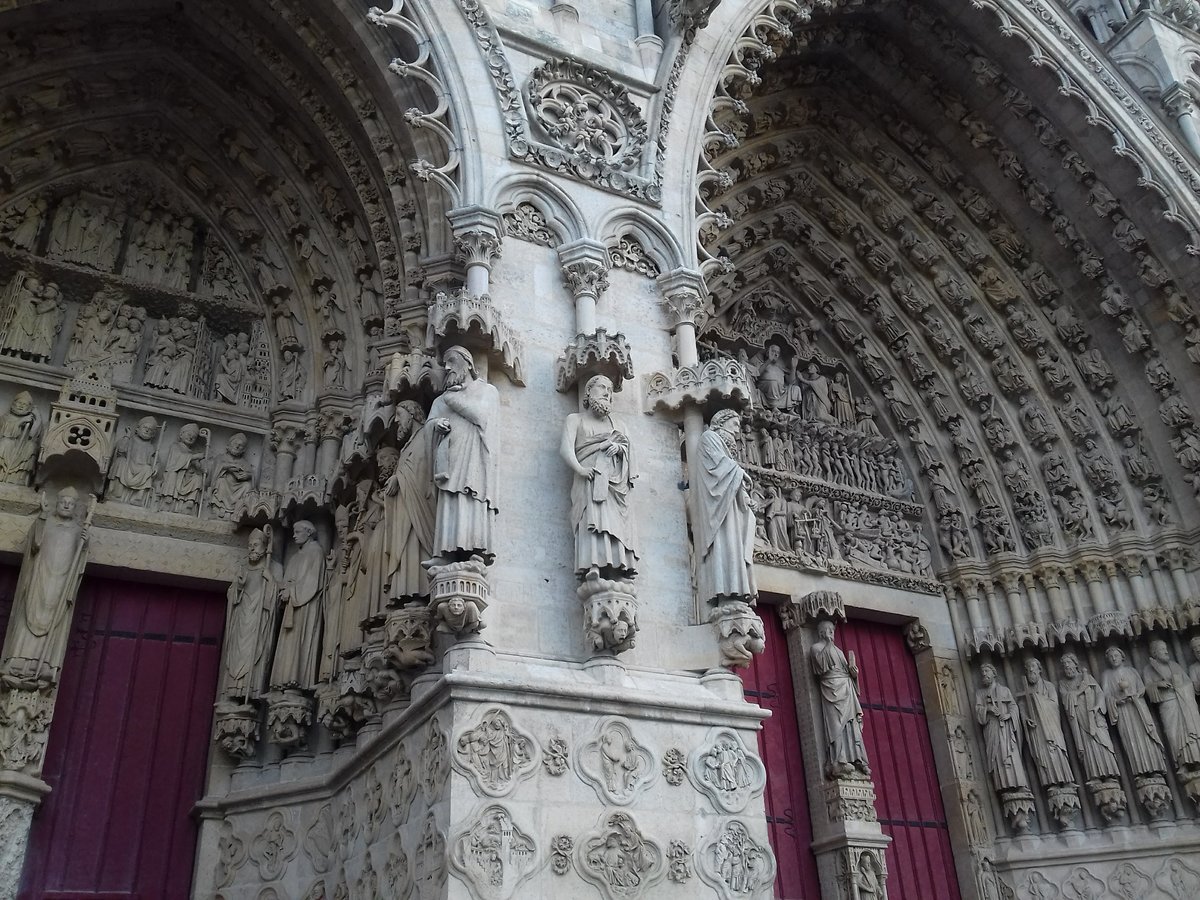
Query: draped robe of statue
<point x="250" y="613"/>
<point x="20" y="433"/>
<point x="182" y="475"/>
<point x="40" y="621"/>
<point x="725" y="530"/>
<point x="1128" y="711"/>
<point x="1047" y="742"/>
<point x="233" y="479"/>
<point x="1086" y="710"/>
<point x="298" y="649"/>
<point x="773" y="385"/>
<point x="604" y="531"/>
<point x="1169" y="687"/>
<point x="840" y="707"/>
<point x="465" y="470"/>
<point x="996" y="711"/>
<point x="133" y="469"/>
<point x="409" y="519"/>
<point x="365" y="581"/>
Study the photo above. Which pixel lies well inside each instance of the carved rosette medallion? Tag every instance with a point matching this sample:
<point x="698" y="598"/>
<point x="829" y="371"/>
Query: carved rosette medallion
<point x="725" y="771"/>
<point x="586" y="115"/>
<point x="735" y="864"/>
<point x="618" y="859"/>
<point x="495" y="755"/>
<point x="492" y="855"/>
<point x="615" y="764"/>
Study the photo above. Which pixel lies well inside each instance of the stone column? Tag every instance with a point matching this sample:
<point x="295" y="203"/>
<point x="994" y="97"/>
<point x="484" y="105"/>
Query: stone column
<point x="585" y="270"/>
<point x="848" y="842"/>
<point x="1179" y="104"/>
<point x="477" y="238"/>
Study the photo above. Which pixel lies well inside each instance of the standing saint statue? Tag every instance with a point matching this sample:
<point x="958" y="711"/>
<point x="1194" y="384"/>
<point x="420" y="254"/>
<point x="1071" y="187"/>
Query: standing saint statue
<point x="996" y="711"/>
<point x="1169" y="686"/>
<point x="465" y="461"/>
<point x="845" y="751"/>
<point x="1127" y="710"/>
<point x="725" y="515"/>
<point x="40" y="622"/>
<point x="183" y="472"/>
<point x="596" y="447"/>
<point x="409" y="508"/>
<point x="1086" y="707"/>
<point x="248" y="619"/>
<point x="1043" y="723"/>
<point x="298" y="649"/>
<point x="20" y="433"/>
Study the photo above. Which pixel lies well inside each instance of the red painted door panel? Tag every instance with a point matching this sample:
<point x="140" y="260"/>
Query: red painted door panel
<point x="909" y="800"/>
<point x="768" y="682"/>
<point x="129" y="745"/>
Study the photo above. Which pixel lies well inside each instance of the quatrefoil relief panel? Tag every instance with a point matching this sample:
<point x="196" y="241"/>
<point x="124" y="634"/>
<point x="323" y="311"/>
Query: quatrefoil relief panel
<point x="583" y="112"/>
<point x="496" y="754"/>
<point x="616" y="765"/>
<point x="726" y="771"/>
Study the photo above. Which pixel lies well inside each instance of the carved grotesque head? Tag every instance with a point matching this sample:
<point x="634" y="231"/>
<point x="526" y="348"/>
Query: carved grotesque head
<point x="597" y="395"/>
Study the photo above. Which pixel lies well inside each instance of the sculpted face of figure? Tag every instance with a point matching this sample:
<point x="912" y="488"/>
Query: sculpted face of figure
<point x="386" y="460"/>
<point x="188" y="434"/>
<point x="66" y="504"/>
<point x="1114" y="656"/>
<point x="257" y="545"/>
<point x="988" y="675"/>
<point x="458" y="368"/>
<point x="303" y="532"/>
<point x="456" y="607"/>
<point x="599" y="395"/>
<point x="1070" y="665"/>
<point x="825" y="629"/>
<point x="237" y="444"/>
<point x="1195" y="645"/>
<point x="1033" y="671"/>
<point x="146" y="428"/>
<point x="21" y="404"/>
<point x="773" y="353"/>
<point x="1159" y="651"/>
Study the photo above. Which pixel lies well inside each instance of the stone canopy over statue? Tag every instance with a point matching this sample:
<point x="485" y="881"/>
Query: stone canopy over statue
<point x="40" y="623"/>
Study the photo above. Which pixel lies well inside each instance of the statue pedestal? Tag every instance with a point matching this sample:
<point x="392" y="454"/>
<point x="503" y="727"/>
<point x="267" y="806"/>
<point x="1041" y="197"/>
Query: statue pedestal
<point x="610" y="609"/>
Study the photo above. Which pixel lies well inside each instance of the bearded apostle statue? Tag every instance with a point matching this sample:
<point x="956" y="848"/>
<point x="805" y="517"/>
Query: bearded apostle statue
<point x="248" y="618"/>
<point x="465" y="461"/>
<point x="725" y="515"/>
<point x="409" y="507"/>
<point x="845" y="751"/>
<point x="301" y="611"/>
<point x="996" y="711"/>
<point x="44" y="601"/>
<point x="596" y="447"/>
<point x="1169" y="686"/>
<point x="1043" y="723"/>
<point x="1086" y="709"/>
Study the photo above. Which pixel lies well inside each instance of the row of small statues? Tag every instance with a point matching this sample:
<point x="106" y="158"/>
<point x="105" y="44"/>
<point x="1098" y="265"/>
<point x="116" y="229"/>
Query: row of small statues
<point x="1041" y="715"/>
<point x="108" y="335"/>
<point x="819" y="532"/>
<point x="860" y="459"/>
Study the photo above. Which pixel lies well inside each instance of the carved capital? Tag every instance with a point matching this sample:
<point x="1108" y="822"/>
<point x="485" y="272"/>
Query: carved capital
<point x="685" y="297"/>
<point x="585" y="267"/>
<point x="478" y="234"/>
<point x="1177" y="101"/>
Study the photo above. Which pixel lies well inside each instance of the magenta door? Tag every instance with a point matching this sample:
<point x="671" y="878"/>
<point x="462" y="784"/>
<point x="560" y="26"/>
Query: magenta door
<point x="128" y="747"/>
<point x="768" y="682"/>
<point x="908" y="796"/>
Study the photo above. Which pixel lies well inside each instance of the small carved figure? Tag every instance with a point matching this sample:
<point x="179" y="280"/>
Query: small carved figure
<point x="182" y="481"/>
<point x="996" y="711"/>
<point x="44" y="600"/>
<point x="34" y="319"/>
<point x="250" y="613"/>
<point x="292" y="376"/>
<point x="20" y="435"/>
<point x="846" y="753"/>
<point x="232" y="478"/>
<point x="726" y="527"/>
<point x="596" y="447"/>
<point x="135" y="465"/>
<point x="298" y="648"/>
<point x="465" y="460"/>
<point x="774" y="384"/>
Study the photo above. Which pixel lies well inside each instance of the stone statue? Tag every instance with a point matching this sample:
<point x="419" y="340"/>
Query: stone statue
<point x="301" y="591"/>
<point x="182" y="481"/>
<point x="773" y="382"/>
<point x="725" y="513"/>
<point x="44" y="600"/>
<point x="1086" y="709"/>
<point x="465" y="461"/>
<point x="409" y="508"/>
<point x="248" y="619"/>
<point x="1194" y="668"/>
<point x="1040" y="711"/>
<point x="845" y="752"/>
<point x="1169" y="687"/>
<point x="20" y="434"/>
<point x="596" y="447"/>
<point x="131" y="478"/>
<point x="1127" y="709"/>
<point x="996" y="711"/>
<point x="232" y="478"/>
<point x="842" y="403"/>
<point x="292" y="376"/>
<point x="34" y="319"/>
